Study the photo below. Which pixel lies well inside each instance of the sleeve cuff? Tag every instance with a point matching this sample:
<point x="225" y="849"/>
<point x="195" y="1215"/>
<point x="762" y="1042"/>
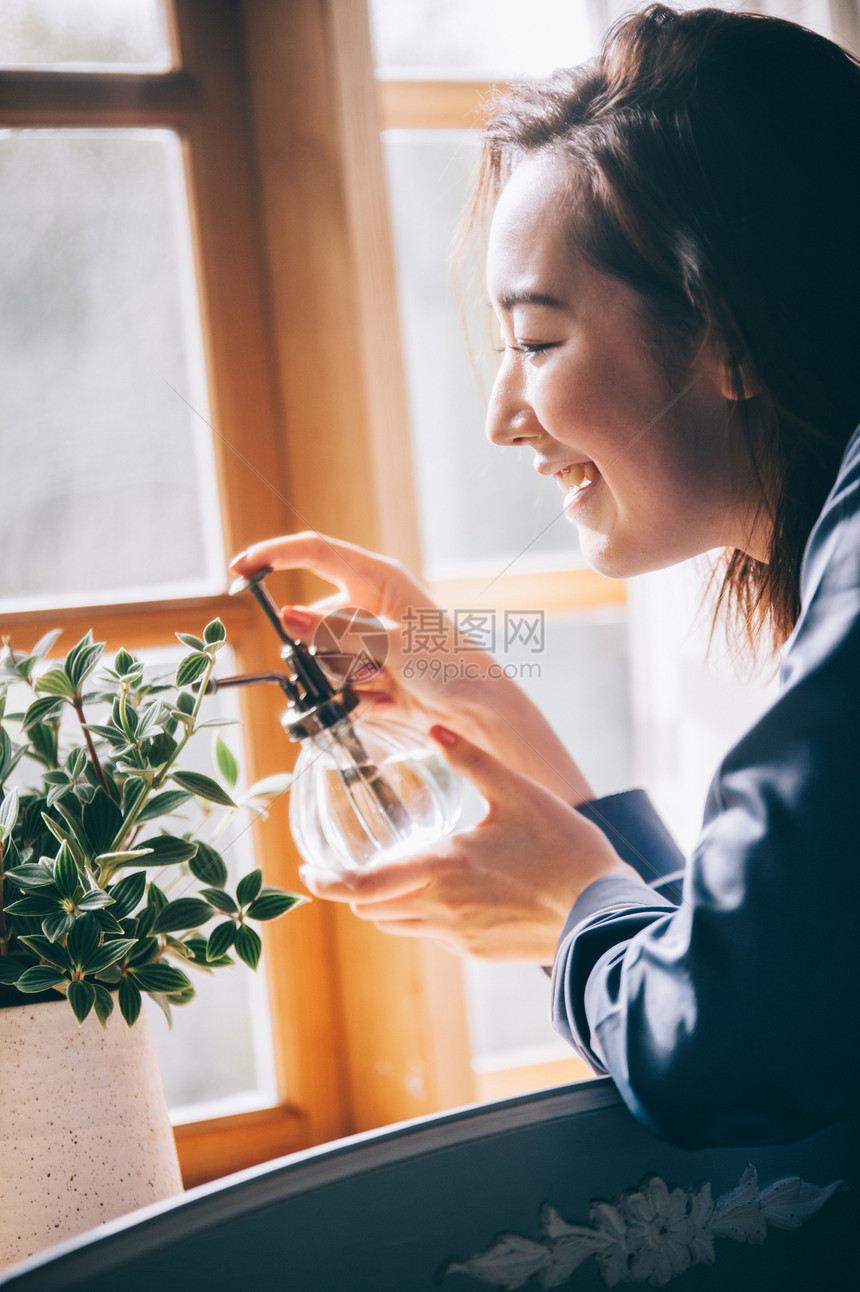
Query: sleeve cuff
<point x="631" y="824"/>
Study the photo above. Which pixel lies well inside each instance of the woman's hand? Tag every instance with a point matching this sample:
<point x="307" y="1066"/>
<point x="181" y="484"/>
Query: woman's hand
<point x="500" y="891"/>
<point x="415" y="682"/>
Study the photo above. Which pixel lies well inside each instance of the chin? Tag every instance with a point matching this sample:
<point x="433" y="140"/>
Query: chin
<point x="605" y="557"/>
<point x="616" y="560"/>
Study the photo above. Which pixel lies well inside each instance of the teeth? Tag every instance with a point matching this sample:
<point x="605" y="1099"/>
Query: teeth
<point x="577" y="477"/>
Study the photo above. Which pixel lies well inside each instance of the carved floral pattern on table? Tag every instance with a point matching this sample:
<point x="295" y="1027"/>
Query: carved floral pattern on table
<point x="647" y="1235"/>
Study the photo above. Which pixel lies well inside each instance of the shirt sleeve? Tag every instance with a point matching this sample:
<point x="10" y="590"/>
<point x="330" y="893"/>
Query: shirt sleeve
<point x="733" y="1017"/>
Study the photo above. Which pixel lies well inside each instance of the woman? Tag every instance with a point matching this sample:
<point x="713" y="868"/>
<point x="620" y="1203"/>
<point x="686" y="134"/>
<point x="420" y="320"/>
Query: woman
<point x="675" y="267"/>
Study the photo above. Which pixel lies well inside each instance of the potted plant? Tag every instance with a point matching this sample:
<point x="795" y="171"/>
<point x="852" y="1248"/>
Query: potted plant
<point x="108" y="893"/>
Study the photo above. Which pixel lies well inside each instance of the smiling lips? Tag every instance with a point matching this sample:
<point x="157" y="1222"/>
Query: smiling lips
<point x="576" y="478"/>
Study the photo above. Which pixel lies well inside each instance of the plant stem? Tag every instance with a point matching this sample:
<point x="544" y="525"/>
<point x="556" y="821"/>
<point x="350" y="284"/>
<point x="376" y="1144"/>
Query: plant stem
<point x="78" y="706"/>
<point x="159" y="780"/>
<point x="4" y="935"/>
<point x="189" y="730"/>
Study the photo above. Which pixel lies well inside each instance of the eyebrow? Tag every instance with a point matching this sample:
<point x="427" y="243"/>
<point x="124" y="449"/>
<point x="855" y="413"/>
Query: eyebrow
<point x="509" y="300"/>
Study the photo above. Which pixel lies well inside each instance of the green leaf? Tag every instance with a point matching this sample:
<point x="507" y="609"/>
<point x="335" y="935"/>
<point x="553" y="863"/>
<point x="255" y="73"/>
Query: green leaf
<point x="189" y="640"/>
<point x="184" y="913"/>
<point x="9" y="813"/>
<point x="43" y="744"/>
<point x="66" y="875"/>
<point x="203" y="787"/>
<point x="208" y="866"/>
<point x="82" y="997"/>
<point x="55" y="926"/>
<point x="128" y="893"/>
<point x="160" y="977"/>
<point x="124" y="662"/>
<point x="164" y="850"/>
<point x="109" y="953"/>
<point x="129" y="1000"/>
<point x="36" y="904"/>
<point x="220" y="900"/>
<point x="48" y="709"/>
<point x="115" y="736"/>
<point x="62" y="832"/>
<point x="93" y="900"/>
<point x="155" y="898"/>
<point x="54" y="682"/>
<point x="115" y="859"/>
<point x="221" y="940"/>
<point x="249" y="887"/>
<point x="54" y="952"/>
<point x="158" y="750"/>
<point x="102" y="821"/>
<point x="214" y="633"/>
<point x="107" y="922"/>
<point x="191" y="668"/>
<point x="158" y="998"/>
<point x="83" y="940"/>
<point x="146" y="947"/>
<point x="39" y="978"/>
<point x="82" y="659"/>
<point x="103" y="1003"/>
<point x="44" y="644"/>
<point x="10" y="970"/>
<point x="272" y="904"/>
<point x="163" y="804"/>
<point x="133" y="791"/>
<point x="33" y="874"/>
<point x="270" y="786"/>
<point x="248" y="946"/>
<point x="226" y="763"/>
<point x="76" y="762"/>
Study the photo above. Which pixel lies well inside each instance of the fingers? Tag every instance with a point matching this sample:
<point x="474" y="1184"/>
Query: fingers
<point x="365" y="577"/>
<point x="498" y="783"/>
<point x="379" y="884"/>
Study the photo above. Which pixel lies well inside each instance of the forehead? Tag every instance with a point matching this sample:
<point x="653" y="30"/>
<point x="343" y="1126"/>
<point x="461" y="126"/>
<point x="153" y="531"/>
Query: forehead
<point x="529" y="250"/>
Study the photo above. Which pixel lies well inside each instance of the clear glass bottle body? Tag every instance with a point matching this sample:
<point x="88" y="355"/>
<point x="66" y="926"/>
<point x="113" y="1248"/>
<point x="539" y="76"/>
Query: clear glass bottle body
<point x="348" y="812"/>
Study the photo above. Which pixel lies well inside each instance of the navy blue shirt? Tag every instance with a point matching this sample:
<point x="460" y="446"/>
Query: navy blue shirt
<point x="732" y="1015"/>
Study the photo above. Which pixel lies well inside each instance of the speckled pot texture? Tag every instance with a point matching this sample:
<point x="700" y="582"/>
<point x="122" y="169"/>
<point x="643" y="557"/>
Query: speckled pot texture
<point x="84" y="1130"/>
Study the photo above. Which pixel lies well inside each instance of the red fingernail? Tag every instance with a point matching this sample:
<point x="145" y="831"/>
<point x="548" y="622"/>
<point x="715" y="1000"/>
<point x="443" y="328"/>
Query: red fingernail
<point x="238" y="557"/>
<point x="298" y="618"/>
<point x="443" y="736"/>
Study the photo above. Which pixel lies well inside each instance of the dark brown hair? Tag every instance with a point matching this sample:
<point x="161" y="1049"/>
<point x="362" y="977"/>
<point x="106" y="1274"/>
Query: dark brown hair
<point x="715" y="160"/>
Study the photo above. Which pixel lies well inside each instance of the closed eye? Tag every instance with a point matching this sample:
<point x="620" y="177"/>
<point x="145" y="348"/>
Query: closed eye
<point x="527" y="347"/>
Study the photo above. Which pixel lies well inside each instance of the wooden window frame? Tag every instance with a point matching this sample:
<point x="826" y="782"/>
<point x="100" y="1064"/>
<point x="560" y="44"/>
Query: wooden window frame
<point x="276" y="110"/>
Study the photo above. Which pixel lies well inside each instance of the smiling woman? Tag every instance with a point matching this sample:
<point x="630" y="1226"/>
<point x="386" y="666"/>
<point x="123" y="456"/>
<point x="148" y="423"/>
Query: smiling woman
<point x="676" y="339"/>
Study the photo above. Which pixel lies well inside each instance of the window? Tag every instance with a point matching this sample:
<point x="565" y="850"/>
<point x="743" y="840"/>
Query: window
<point x="225" y="359"/>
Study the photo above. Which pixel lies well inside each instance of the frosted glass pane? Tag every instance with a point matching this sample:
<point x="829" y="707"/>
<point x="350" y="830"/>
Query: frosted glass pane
<point x="484" y="39"/>
<point x="108" y="473"/>
<point x="480" y="506"/>
<point x="130" y="33"/>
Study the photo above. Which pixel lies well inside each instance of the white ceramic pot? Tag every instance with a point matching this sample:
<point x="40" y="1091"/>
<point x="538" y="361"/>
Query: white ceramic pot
<point x="84" y="1130"/>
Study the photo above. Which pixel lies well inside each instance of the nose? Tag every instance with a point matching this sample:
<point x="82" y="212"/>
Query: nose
<point x="510" y="416"/>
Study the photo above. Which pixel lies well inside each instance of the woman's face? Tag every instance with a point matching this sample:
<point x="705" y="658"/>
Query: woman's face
<point x="652" y="473"/>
